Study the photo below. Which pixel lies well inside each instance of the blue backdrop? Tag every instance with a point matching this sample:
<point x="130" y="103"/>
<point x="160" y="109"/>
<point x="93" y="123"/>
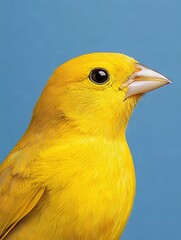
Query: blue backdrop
<point x="38" y="35"/>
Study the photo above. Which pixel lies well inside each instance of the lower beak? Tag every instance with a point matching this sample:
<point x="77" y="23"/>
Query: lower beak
<point x="144" y="80"/>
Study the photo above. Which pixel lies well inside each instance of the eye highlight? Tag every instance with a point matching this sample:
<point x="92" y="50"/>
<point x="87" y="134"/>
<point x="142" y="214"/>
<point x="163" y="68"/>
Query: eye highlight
<point x="99" y="75"/>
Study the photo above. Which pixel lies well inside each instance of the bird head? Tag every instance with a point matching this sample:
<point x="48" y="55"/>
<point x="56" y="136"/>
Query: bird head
<point x="95" y="93"/>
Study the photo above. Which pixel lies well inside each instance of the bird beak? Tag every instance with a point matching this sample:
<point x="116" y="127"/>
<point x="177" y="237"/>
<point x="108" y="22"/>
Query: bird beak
<point x="144" y="80"/>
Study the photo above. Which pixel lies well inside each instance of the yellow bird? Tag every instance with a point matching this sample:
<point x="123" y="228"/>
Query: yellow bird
<point x="71" y="176"/>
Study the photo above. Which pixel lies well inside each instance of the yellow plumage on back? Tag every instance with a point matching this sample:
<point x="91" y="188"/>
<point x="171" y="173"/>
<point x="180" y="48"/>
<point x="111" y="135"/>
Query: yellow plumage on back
<point x="71" y="176"/>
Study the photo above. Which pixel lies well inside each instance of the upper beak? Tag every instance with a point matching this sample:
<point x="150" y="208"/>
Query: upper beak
<point x="144" y="80"/>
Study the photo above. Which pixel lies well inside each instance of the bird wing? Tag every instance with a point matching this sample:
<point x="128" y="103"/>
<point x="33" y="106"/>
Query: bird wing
<point x="18" y="196"/>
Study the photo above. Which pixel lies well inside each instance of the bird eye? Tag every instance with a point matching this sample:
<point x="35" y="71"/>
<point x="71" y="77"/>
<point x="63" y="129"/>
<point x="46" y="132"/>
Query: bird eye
<point x="99" y="75"/>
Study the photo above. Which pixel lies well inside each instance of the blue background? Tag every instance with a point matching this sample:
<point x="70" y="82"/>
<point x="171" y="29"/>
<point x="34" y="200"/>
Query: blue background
<point x="38" y="35"/>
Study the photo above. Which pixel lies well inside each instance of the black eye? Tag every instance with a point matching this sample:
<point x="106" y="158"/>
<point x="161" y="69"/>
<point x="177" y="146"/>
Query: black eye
<point x="99" y="75"/>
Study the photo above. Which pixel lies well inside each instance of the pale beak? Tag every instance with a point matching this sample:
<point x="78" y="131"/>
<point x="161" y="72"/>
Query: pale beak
<point x="144" y="80"/>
